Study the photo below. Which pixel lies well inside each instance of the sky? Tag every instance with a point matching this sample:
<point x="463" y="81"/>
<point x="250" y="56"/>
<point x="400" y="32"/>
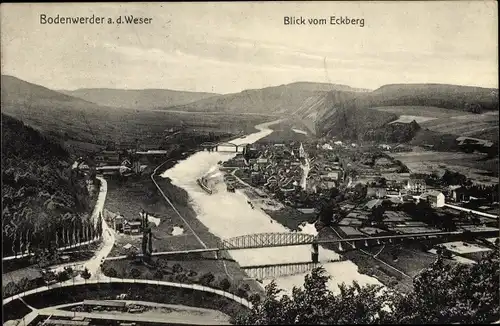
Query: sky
<point x="228" y="47"/>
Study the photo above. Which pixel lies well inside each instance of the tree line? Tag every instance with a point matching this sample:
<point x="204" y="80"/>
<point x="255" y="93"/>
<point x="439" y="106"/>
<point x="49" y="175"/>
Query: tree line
<point x="442" y="294"/>
<point x="45" y="203"/>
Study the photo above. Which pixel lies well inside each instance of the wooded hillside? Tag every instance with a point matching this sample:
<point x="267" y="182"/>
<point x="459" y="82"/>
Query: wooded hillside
<point x="45" y="202"/>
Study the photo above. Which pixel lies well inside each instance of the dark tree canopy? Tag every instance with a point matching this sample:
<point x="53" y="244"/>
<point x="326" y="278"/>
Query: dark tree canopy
<point x="443" y="293"/>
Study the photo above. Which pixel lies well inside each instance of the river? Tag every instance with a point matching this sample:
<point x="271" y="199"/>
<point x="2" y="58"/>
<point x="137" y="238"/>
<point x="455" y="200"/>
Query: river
<point x="228" y="215"/>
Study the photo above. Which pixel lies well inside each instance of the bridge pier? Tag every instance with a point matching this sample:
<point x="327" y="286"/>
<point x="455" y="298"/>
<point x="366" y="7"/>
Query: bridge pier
<point x="217" y="255"/>
<point x="315" y="253"/>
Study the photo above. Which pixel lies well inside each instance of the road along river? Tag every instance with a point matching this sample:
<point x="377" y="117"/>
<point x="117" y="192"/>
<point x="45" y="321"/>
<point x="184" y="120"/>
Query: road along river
<point x="228" y="215"/>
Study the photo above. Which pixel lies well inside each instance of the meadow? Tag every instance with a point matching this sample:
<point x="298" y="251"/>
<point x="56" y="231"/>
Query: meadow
<point x="445" y="121"/>
<point x="475" y="166"/>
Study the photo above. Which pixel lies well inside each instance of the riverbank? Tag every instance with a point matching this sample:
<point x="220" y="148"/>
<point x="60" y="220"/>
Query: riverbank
<point x="181" y="201"/>
<point x="130" y="198"/>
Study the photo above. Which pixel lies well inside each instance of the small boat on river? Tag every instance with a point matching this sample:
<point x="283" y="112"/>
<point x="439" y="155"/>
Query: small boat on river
<point x="201" y="182"/>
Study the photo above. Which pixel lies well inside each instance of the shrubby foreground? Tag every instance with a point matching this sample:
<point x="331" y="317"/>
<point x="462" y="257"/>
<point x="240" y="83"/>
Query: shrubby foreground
<point x="442" y="293"/>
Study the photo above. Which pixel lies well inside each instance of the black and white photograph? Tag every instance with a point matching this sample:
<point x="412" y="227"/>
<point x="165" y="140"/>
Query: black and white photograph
<point x="250" y="163"/>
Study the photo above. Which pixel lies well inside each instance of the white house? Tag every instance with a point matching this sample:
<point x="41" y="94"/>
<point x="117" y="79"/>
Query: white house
<point x="435" y="198"/>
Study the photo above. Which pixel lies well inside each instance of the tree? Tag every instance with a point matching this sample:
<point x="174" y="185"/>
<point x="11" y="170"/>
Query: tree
<point x="63" y="276"/>
<point x="359" y="191"/>
<point x="150" y="241"/>
<point x="24" y="284"/>
<point x="443" y="293"/>
<point x="85" y="274"/>
<point x="207" y="279"/>
<point x="224" y="284"/>
<point x="135" y="273"/>
<point x="327" y="208"/>
<point x="449" y="293"/>
<point x="158" y="274"/>
<point x="132" y="254"/>
<point x="49" y="276"/>
<point x="177" y="268"/>
<point x="181" y="278"/>
<point x="111" y="272"/>
<point x="144" y="244"/>
<point x="241" y="292"/>
<point x="377" y="214"/>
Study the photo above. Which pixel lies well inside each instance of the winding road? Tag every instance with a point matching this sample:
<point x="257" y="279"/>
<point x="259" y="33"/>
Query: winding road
<point x="98" y="209"/>
<point x="94" y="267"/>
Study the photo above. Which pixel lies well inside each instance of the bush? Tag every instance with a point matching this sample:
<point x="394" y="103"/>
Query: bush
<point x="245" y="287"/>
<point x="135" y="273"/>
<point x="177" y="268"/>
<point x="207" y="279"/>
<point x="254" y="298"/>
<point x="192" y="273"/>
<point x="85" y="274"/>
<point x="63" y="276"/>
<point x="241" y="292"/>
<point x="111" y="272"/>
<point x="10" y="289"/>
<point x="69" y="270"/>
<point x="181" y="278"/>
<point x="158" y="274"/>
<point x="224" y="284"/>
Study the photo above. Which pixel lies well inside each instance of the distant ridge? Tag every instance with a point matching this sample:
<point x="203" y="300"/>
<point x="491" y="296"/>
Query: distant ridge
<point x="463" y="110"/>
<point x="137" y="98"/>
<point x="277" y="100"/>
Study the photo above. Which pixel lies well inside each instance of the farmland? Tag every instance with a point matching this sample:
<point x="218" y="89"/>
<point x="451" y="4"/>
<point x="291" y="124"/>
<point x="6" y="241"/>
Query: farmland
<point x="445" y="121"/>
<point x="422" y="111"/>
<point x="473" y="125"/>
<point x="472" y="165"/>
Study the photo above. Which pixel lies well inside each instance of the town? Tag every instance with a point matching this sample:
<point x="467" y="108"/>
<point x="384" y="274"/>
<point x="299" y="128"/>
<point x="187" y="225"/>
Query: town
<point x="354" y="191"/>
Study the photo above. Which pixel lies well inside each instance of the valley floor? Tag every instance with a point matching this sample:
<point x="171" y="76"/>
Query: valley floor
<point x="128" y="199"/>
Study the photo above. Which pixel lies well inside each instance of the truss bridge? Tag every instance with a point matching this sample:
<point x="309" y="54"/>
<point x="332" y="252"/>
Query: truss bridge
<point x="267" y="240"/>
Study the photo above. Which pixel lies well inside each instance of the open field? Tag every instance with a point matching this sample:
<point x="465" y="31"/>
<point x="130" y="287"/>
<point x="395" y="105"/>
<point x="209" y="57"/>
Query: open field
<point x="422" y="111"/>
<point x="128" y="199"/>
<point x="177" y="269"/>
<point x="447" y="121"/>
<point x="473" y="125"/>
<point x="472" y="165"/>
<point x="410" y="261"/>
<point x="410" y="118"/>
<point x="283" y="132"/>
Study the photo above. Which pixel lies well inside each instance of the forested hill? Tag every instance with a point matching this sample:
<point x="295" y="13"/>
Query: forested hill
<point x="41" y="195"/>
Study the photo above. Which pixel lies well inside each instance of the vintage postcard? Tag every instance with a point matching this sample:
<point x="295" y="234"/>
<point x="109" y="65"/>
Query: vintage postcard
<point x="250" y="163"/>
